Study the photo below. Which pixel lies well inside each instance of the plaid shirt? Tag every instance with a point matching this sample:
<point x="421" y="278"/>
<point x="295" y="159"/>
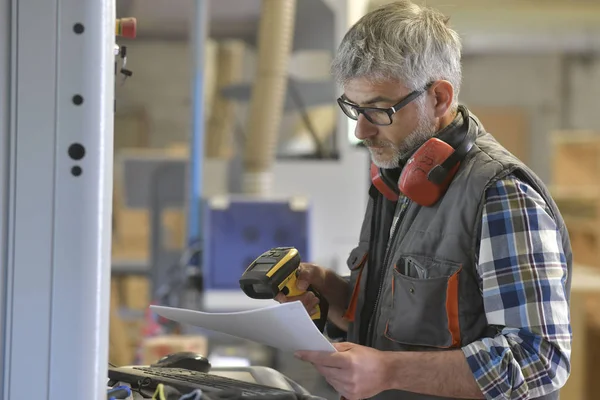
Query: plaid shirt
<point x="522" y="271"/>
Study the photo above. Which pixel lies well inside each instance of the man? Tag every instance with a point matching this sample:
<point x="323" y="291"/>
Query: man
<point x="463" y="298"/>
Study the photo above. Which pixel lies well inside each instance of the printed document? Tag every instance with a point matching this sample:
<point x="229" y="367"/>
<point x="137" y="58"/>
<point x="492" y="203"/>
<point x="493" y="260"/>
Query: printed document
<point x="286" y="326"/>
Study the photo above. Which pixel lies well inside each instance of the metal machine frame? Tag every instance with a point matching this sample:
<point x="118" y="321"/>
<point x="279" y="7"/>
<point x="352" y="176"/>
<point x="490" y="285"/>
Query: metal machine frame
<point x="56" y="153"/>
<point x="57" y="75"/>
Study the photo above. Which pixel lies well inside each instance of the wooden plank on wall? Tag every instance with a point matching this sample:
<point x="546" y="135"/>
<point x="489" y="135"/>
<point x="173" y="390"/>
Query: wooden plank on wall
<point x="510" y="126"/>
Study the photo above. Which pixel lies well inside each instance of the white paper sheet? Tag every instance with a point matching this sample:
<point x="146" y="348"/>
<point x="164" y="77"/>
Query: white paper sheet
<point x="287" y="326"/>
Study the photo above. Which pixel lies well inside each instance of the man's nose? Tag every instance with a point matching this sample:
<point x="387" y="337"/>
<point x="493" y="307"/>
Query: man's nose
<point x="364" y="129"/>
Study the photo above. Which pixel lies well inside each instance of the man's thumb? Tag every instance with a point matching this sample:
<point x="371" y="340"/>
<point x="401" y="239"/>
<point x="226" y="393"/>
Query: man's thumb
<point x="305" y="275"/>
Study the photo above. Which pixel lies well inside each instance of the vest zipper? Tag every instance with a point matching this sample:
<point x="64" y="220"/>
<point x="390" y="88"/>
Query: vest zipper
<point x="389" y="248"/>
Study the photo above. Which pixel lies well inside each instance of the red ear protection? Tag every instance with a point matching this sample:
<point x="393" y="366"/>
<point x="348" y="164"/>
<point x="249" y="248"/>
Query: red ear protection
<point x="388" y="189"/>
<point x="424" y="178"/>
<point x="429" y="171"/>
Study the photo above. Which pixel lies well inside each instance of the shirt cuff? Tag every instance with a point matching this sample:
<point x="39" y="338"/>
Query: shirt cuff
<point x="493" y="367"/>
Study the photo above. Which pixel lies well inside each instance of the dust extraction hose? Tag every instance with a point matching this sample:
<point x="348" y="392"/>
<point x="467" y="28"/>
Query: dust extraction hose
<point x="219" y="137"/>
<point x="275" y="40"/>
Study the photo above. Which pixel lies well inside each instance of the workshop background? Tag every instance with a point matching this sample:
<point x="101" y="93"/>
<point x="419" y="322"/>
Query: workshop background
<point x="531" y="73"/>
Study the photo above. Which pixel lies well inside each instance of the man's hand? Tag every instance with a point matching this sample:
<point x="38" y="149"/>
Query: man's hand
<point x="331" y="286"/>
<point x="308" y="274"/>
<point x="356" y="372"/>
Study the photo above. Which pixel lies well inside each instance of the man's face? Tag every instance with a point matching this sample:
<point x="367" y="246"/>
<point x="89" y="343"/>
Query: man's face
<point x="411" y="126"/>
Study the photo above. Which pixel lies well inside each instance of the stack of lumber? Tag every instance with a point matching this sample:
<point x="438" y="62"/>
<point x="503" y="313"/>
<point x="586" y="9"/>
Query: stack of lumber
<point x="576" y="190"/>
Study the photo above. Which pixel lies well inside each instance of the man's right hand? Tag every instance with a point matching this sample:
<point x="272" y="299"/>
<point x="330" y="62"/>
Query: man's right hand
<point x="308" y="275"/>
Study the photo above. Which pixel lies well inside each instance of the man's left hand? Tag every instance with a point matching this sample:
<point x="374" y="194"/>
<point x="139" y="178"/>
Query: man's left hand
<point x="356" y="372"/>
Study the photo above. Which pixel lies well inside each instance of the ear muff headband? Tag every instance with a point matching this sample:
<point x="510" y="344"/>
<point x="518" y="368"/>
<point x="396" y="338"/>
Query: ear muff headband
<point x="439" y="173"/>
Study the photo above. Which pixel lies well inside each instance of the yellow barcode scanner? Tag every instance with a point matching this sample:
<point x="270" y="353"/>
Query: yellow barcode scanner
<point x="276" y="271"/>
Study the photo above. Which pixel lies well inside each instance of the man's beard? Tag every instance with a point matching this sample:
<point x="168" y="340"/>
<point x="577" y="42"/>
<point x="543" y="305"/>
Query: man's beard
<point x="424" y="131"/>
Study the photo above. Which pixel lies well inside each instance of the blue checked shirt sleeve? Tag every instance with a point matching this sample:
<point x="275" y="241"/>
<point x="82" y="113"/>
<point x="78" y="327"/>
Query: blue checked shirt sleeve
<point x="522" y="273"/>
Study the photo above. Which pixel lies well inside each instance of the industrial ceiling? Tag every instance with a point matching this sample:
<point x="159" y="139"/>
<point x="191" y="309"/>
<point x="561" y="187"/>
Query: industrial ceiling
<point x="171" y="20"/>
<point x="485" y="25"/>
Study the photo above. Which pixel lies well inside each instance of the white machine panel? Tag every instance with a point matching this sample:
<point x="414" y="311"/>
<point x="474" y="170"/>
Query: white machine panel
<point x="56" y="142"/>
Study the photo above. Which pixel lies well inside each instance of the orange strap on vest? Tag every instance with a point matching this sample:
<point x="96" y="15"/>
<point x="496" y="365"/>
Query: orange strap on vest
<point x="351" y="310"/>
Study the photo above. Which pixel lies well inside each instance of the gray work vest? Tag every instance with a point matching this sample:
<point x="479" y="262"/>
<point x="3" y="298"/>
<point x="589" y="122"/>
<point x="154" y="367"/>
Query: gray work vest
<point x="445" y="310"/>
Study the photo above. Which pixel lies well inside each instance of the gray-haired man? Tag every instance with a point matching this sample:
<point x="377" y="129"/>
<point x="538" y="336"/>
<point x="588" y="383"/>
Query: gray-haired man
<point x="460" y="282"/>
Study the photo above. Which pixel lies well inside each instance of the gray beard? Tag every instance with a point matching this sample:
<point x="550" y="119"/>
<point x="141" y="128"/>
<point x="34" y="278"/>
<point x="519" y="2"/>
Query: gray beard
<point x="424" y="131"/>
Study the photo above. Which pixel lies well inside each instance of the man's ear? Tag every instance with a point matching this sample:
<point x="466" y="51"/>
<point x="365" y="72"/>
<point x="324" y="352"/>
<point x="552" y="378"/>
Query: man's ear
<point x="443" y="93"/>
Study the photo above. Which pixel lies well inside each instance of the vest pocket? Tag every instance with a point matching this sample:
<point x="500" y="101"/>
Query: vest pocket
<point x="424" y="304"/>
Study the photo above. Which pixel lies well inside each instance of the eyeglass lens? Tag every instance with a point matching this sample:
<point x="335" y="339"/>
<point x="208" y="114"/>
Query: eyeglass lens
<point x="373" y="115"/>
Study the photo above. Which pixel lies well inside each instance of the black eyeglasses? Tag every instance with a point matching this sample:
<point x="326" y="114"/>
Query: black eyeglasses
<point x="376" y="115"/>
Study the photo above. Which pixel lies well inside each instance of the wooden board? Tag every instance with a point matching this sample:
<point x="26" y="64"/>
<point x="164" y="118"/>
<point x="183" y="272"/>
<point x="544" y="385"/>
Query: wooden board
<point x="585" y="289"/>
<point x="120" y="350"/>
<point x="575" y="168"/>
<point x="510" y="126"/>
<point x="575" y="159"/>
